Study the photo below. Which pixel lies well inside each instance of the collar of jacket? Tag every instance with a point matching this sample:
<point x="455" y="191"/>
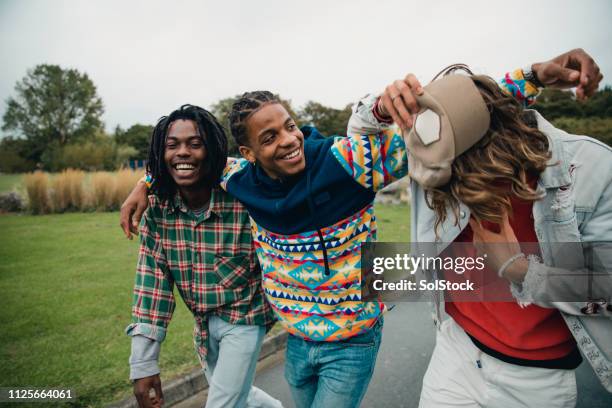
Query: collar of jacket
<point x="557" y="173"/>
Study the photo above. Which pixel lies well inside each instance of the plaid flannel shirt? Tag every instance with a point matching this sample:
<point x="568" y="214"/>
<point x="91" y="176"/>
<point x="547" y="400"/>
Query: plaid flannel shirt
<point x="209" y="257"/>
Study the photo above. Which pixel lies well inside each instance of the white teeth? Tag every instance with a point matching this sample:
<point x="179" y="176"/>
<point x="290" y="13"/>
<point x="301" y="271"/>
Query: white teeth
<point x="184" y="166"/>
<point x="292" y="154"/>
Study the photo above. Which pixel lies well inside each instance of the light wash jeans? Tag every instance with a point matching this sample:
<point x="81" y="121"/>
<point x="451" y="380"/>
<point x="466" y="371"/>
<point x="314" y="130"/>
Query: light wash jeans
<point x="332" y="374"/>
<point x="230" y="366"/>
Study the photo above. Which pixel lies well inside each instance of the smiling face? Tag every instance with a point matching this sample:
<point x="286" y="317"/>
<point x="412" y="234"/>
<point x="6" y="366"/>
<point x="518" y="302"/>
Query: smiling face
<point x="184" y="153"/>
<point x="274" y="142"/>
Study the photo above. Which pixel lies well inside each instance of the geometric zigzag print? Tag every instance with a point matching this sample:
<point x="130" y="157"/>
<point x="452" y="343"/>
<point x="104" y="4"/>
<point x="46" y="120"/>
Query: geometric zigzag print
<point x="308" y="302"/>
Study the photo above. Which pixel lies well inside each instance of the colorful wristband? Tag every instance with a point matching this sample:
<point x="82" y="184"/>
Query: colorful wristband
<point x="515" y="85"/>
<point x="377" y="114"/>
<point x="148" y="180"/>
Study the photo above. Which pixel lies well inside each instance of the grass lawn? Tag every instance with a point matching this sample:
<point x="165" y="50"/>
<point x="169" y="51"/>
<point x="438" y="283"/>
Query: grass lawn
<point x="66" y="281"/>
<point x="8" y="182"/>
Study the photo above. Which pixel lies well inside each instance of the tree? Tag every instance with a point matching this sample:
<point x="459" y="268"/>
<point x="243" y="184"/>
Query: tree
<point x="328" y="121"/>
<point x="137" y="136"/>
<point x="53" y="107"/>
<point x="12" y="153"/>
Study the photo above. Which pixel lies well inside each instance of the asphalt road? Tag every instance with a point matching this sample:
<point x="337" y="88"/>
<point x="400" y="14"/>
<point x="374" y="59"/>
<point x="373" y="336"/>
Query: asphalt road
<point x="408" y="340"/>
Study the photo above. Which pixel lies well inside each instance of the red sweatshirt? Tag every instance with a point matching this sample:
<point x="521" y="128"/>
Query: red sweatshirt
<point x="530" y="333"/>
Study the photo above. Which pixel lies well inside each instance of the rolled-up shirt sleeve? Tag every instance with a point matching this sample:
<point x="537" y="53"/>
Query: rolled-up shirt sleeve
<point x="153" y="302"/>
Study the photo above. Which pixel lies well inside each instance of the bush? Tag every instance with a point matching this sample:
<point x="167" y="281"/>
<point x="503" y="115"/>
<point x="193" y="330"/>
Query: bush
<point x="599" y="128"/>
<point x="74" y="190"/>
<point x="99" y="154"/>
<point x="11" y="202"/>
<point x="103" y="191"/>
<point x="126" y="180"/>
<point x="68" y="193"/>
<point x="37" y="187"/>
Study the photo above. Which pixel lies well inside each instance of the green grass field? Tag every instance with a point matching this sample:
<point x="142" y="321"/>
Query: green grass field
<point x="66" y="281"/>
<point x="9" y="182"/>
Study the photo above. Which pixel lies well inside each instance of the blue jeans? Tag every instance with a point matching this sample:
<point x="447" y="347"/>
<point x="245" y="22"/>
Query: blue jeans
<point x="230" y="366"/>
<point x="332" y="374"/>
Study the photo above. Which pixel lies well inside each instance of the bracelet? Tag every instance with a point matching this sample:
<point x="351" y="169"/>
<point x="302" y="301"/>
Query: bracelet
<point x="148" y="180"/>
<point x="530" y="75"/>
<point x="378" y="114"/>
<point x="506" y="264"/>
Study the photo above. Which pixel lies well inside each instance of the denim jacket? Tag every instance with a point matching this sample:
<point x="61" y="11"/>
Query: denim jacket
<point x="576" y="207"/>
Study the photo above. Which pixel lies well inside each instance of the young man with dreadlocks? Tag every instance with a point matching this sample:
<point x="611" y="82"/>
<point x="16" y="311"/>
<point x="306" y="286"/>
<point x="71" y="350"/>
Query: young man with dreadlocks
<point x="310" y="199"/>
<point x="196" y="236"/>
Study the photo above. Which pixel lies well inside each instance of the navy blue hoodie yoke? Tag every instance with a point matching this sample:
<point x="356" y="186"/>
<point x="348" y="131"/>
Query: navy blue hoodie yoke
<point x="322" y="195"/>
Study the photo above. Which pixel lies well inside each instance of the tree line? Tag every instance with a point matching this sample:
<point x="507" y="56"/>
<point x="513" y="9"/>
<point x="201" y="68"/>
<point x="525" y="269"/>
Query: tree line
<point x="54" y="121"/>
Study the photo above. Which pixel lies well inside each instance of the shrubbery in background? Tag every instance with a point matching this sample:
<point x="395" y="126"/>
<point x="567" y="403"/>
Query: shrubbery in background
<point x="75" y="190"/>
<point x="12" y="202"/>
<point x="68" y="193"/>
<point x="137" y="137"/>
<point x="37" y="187"/>
<point x="599" y="128"/>
<point x="101" y="153"/>
<point x="12" y="156"/>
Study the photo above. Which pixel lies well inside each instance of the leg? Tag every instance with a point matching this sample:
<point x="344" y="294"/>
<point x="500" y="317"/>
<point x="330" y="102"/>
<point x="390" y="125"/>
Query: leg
<point x="258" y="398"/>
<point x="510" y="385"/>
<point x="233" y="373"/>
<point x="453" y="378"/>
<point x="213" y="350"/>
<point x="299" y="371"/>
<point x="345" y="369"/>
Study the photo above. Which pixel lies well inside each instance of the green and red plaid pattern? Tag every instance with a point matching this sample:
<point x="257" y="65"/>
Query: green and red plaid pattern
<point x="211" y="260"/>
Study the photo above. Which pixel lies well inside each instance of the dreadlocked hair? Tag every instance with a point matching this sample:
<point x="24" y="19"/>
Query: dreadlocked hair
<point x="498" y="166"/>
<point x="213" y="137"/>
<point x="243" y="108"/>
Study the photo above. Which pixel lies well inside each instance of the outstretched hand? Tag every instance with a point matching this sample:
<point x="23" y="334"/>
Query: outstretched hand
<point x="574" y="68"/>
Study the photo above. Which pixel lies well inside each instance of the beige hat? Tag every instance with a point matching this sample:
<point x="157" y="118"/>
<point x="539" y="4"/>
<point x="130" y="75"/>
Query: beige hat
<point x="453" y="117"/>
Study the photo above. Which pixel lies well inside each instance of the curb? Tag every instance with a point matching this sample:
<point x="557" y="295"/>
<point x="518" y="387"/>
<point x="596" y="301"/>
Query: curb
<point x="181" y="388"/>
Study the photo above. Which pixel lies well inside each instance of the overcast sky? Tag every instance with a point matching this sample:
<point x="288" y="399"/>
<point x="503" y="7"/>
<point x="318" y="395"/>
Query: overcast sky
<point x="148" y="57"/>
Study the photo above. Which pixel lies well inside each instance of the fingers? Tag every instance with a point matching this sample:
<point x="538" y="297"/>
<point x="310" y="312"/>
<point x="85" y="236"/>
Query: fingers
<point x="590" y="76"/>
<point x="414" y="83"/>
<point x="387" y="102"/>
<point x="589" y="70"/>
<point x="400" y="102"/>
<point x="136" y="218"/>
<point x="588" y="90"/>
<point x="405" y="103"/>
<point x="158" y="391"/>
<point x="125" y="218"/>
<point x="555" y="74"/>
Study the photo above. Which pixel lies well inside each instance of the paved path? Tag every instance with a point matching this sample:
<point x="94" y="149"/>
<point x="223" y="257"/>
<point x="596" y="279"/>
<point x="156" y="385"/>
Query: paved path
<point x="408" y="340"/>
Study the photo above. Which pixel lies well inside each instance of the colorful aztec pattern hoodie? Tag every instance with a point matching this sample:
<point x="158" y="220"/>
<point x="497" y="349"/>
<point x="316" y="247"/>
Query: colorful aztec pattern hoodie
<point x="308" y="230"/>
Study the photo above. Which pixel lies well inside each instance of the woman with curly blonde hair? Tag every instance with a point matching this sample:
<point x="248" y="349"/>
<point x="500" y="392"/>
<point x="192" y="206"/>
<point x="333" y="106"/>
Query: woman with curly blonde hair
<point x="488" y="174"/>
